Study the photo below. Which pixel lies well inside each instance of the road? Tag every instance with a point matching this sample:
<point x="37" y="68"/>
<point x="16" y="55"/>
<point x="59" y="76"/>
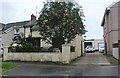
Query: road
<point x="92" y="64"/>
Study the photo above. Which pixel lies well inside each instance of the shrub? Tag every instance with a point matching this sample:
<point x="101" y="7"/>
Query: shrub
<point x="28" y="47"/>
<point x="46" y="49"/>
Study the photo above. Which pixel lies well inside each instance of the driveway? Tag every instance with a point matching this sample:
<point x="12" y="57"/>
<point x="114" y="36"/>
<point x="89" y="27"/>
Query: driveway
<point x="93" y="58"/>
<point x="88" y="65"/>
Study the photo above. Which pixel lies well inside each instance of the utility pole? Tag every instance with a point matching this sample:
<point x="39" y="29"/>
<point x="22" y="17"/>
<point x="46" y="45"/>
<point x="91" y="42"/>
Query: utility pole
<point x="36" y="11"/>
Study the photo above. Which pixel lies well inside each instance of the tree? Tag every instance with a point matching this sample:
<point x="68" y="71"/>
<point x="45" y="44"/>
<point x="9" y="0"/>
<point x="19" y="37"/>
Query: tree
<point x="60" y="22"/>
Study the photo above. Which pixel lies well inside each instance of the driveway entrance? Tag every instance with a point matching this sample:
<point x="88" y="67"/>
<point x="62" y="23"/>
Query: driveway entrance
<point x="93" y="58"/>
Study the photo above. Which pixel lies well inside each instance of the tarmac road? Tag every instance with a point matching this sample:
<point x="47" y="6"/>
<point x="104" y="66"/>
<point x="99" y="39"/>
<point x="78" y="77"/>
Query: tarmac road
<point x="92" y="64"/>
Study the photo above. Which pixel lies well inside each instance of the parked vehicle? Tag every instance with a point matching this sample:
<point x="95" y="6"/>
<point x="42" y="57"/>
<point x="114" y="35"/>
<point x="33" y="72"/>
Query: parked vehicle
<point x="101" y="49"/>
<point x="89" y="49"/>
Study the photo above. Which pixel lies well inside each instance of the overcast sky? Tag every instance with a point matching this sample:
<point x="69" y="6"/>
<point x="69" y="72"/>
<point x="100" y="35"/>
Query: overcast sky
<point x="20" y="10"/>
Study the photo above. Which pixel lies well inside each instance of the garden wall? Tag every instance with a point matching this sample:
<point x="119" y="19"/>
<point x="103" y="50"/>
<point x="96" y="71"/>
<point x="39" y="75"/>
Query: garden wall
<point x="54" y="57"/>
<point x="64" y="57"/>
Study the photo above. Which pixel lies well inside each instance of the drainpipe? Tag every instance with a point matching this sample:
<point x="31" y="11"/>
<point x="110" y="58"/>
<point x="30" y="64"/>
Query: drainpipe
<point x="24" y="32"/>
<point x="31" y="31"/>
<point x="119" y="50"/>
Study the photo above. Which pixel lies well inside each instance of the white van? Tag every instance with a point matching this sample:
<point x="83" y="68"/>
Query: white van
<point x="101" y="49"/>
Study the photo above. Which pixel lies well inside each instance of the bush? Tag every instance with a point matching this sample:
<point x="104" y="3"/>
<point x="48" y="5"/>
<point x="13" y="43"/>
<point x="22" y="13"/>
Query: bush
<point x="28" y="47"/>
<point x="46" y="49"/>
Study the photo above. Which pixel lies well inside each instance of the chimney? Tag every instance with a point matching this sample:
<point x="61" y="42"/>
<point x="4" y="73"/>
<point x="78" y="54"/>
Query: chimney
<point x="33" y="17"/>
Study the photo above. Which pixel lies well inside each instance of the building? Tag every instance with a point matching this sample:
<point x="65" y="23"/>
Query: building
<point x="111" y="29"/>
<point x="27" y="30"/>
<point x="1" y="31"/>
<point x="96" y="43"/>
<point x="0" y="34"/>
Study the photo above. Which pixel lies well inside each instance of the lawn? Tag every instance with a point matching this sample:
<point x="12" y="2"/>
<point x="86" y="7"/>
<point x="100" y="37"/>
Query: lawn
<point x="6" y="66"/>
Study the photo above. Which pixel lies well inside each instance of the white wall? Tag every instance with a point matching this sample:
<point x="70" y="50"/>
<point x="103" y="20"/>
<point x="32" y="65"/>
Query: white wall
<point x="7" y="38"/>
<point x="36" y="34"/>
<point x="97" y="42"/>
<point x="65" y="57"/>
<point x="27" y="32"/>
<point x="115" y="53"/>
<point x="78" y="45"/>
<point x="54" y="57"/>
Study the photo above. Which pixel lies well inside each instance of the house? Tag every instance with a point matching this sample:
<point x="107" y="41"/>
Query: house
<point x="96" y="43"/>
<point x="9" y="32"/>
<point x="28" y="30"/>
<point x="0" y="35"/>
<point x="111" y="29"/>
<point x="1" y="31"/>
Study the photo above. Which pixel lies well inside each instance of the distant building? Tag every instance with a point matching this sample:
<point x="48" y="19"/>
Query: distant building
<point x="111" y="29"/>
<point x="1" y="31"/>
<point x="96" y="43"/>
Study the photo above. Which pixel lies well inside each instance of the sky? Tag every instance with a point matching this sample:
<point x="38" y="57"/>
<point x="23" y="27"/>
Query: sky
<point x="20" y="10"/>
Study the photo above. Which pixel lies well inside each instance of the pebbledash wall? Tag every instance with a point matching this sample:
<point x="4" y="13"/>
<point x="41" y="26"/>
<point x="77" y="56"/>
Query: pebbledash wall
<point x="65" y="56"/>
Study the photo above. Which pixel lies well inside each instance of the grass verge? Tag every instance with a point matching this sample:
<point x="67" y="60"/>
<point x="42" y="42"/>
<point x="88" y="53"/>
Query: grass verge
<point x="7" y="66"/>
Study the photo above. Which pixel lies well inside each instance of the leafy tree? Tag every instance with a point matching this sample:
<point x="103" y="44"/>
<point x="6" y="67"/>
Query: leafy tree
<point x="60" y="22"/>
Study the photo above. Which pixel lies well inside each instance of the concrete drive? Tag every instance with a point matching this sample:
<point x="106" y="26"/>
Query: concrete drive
<point x="92" y="64"/>
<point x="93" y="58"/>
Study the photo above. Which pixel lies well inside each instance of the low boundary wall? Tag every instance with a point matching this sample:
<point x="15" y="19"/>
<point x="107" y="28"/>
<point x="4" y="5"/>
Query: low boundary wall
<point x="65" y="56"/>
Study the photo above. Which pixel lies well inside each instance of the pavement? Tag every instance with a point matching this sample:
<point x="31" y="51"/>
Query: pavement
<point x="92" y="64"/>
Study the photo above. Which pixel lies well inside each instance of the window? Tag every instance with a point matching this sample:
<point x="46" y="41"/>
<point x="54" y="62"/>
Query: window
<point x="17" y="30"/>
<point x="115" y="45"/>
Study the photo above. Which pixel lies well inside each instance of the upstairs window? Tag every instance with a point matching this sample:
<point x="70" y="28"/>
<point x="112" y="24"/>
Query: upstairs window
<point x="17" y="30"/>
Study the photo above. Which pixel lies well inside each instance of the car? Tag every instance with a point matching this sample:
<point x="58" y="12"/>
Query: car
<point x="101" y="49"/>
<point x="89" y="49"/>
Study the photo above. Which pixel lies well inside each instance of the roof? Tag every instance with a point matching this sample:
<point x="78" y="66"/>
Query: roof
<point x="94" y="40"/>
<point x="22" y="23"/>
<point x="35" y="27"/>
<point x="31" y="23"/>
<point x="106" y="13"/>
<point x="2" y="26"/>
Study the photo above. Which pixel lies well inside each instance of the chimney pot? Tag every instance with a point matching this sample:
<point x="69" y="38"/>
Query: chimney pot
<point x="33" y="17"/>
